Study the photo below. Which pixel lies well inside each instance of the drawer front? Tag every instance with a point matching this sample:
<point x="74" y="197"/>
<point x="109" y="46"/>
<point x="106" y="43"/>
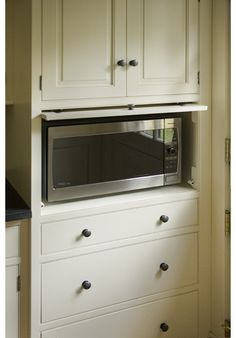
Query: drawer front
<point x="12" y="241"/>
<point x="117" y="275"/>
<point x="179" y="313"/>
<point x="67" y="235"/>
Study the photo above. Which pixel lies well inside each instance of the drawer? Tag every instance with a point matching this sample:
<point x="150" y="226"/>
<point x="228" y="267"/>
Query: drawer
<point x="179" y="313"/>
<point x="117" y="275"/>
<point x="12" y="241"/>
<point x="67" y="234"/>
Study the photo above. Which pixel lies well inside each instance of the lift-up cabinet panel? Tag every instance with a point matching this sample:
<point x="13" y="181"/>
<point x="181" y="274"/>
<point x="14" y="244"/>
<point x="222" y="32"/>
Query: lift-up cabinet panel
<point x="119" y="49"/>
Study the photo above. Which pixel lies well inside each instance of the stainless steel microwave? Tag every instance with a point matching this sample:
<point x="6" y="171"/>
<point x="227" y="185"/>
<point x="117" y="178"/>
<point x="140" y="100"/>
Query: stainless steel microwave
<point x="86" y="158"/>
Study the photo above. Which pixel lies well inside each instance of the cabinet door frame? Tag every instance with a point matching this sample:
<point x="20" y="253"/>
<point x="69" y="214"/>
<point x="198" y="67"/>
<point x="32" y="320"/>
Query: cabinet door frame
<point x="139" y="83"/>
<point x="54" y="86"/>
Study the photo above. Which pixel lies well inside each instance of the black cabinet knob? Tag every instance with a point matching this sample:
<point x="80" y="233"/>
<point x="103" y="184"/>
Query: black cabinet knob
<point x="133" y="63"/>
<point x="121" y="63"/>
<point x="164" y="266"/>
<point x="164" y="218"/>
<point x="86" y="233"/>
<point x="86" y="285"/>
<point x="164" y="327"/>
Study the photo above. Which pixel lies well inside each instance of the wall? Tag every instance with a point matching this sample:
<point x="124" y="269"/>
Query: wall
<point x="18" y="116"/>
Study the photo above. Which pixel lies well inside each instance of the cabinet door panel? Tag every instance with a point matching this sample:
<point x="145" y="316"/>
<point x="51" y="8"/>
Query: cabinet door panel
<point x="82" y="42"/>
<point x="117" y="275"/>
<point x="12" y="302"/>
<point x="163" y="37"/>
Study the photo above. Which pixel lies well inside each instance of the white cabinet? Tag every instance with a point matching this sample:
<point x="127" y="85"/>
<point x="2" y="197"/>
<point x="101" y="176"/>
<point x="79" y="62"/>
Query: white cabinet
<point x="118" y="275"/>
<point x="178" y="313"/>
<point x="12" y="273"/>
<point x="12" y="302"/>
<point x="68" y="234"/>
<point x="83" y="41"/>
<point x="17" y="279"/>
<point x="131" y="275"/>
<point x="163" y="36"/>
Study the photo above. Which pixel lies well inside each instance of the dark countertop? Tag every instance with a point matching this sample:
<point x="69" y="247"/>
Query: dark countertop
<point x="16" y="208"/>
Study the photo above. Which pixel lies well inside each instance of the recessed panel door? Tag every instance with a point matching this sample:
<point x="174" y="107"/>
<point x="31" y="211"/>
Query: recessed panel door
<point x="162" y="47"/>
<point x="12" y="302"/>
<point x="82" y="44"/>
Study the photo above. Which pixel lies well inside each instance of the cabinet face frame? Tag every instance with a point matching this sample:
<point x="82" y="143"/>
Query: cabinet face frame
<point x="175" y="52"/>
<point x="68" y="70"/>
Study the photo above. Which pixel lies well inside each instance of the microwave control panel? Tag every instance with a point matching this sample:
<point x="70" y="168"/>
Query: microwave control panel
<point x="171" y="151"/>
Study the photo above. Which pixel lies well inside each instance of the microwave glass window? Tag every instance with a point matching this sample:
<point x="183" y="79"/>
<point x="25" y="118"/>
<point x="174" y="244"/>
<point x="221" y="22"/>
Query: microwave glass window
<point x="110" y="157"/>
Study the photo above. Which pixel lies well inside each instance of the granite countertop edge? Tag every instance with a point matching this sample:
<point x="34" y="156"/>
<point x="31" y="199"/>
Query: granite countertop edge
<point x="16" y="208"/>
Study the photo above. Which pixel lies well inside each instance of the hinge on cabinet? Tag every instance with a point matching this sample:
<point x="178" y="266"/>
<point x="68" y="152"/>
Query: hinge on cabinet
<point x="18" y="283"/>
<point x="227" y="328"/>
<point x="227" y="221"/>
<point x="227" y="151"/>
<point x="40" y="82"/>
<point x="198" y="77"/>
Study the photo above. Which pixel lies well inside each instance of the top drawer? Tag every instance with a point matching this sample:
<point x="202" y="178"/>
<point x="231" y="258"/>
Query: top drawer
<point x="12" y="241"/>
<point x="69" y="234"/>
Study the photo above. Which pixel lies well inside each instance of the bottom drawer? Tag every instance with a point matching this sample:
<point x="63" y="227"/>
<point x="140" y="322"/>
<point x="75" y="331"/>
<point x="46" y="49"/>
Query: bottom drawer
<point x="179" y="314"/>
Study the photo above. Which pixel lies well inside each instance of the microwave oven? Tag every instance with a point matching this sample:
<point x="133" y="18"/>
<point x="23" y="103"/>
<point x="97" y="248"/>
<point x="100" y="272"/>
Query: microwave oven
<point x="95" y="157"/>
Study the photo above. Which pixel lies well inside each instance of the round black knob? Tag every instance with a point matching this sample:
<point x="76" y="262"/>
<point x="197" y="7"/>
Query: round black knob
<point x="164" y="266"/>
<point x="86" y="233"/>
<point x="86" y="285"/>
<point x="171" y="150"/>
<point x="121" y="63"/>
<point x="164" y="327"/>
<point x="164" y="218"/>
<point x="133" y="63"/>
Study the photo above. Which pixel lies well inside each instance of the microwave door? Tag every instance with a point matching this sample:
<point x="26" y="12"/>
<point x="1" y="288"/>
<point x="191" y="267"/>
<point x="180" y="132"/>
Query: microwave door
<point x="99" y="159"/>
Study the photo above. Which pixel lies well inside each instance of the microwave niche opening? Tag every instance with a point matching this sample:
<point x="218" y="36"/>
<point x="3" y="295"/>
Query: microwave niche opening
<point x="86" y="160"/>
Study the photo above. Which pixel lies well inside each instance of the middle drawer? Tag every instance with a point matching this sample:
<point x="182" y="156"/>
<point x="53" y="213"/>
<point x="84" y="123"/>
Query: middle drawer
<point x="69" y="234"/>
<point x="117" y="275"/>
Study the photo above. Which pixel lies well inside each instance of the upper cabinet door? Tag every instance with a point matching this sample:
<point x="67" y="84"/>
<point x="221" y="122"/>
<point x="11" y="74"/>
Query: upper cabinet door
<point x="82" y="43"/>
<point x="163" y="37"/>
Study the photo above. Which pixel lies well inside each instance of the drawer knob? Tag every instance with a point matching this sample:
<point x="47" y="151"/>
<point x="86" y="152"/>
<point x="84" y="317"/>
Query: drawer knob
<point x="164" y="266"/>
<point x="86" y="233"/>
<point x="86" y="285"/>
<point x="133" y="63"/>
<point x="121" y="63"/>
<point x="164" y="327"/>
<point x="164" y="218"/>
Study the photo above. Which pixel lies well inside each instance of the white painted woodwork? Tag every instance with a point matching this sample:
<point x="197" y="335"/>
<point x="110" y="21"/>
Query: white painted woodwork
<point x="12" y="302"/>
<point x="67" y="234"/>
<point x="221" y="308"/>
<point x="204" y="168"/>
<point x="12" y="241"/>
<point x="25" y="170"/>
<point x="53" y="116"/>
<point x="163" y="36"/>
<point x="82" y="42"/>
<point x="61" y="211"/>
<point x="117" y="275"/>
<point x="142" y="321"/>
